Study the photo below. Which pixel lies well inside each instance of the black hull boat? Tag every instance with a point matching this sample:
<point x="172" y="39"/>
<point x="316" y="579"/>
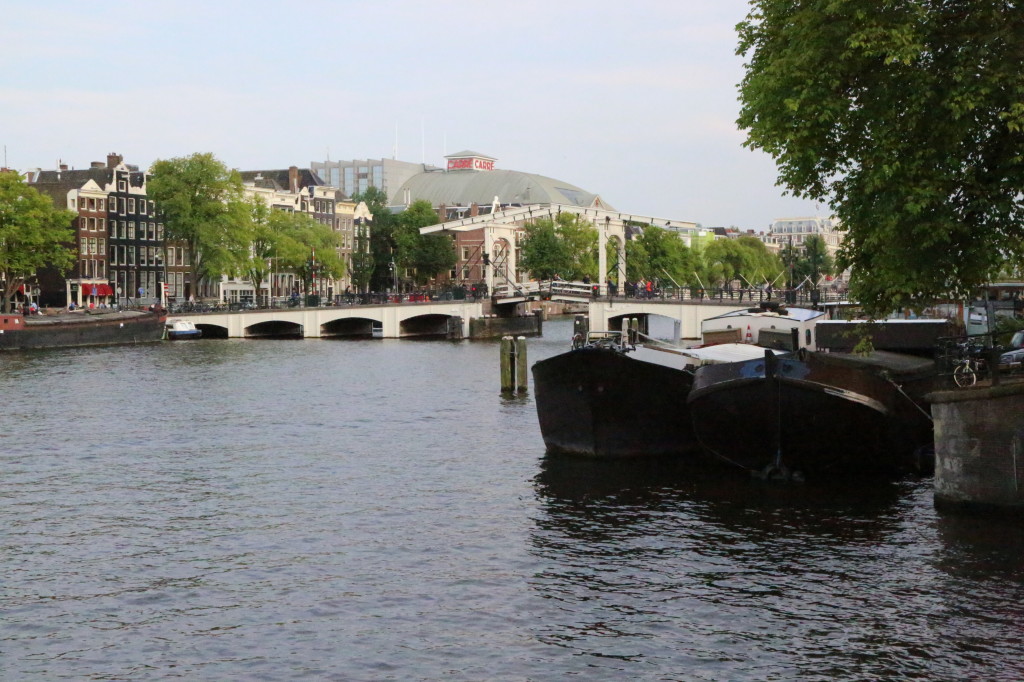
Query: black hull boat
<point x="609" y="399"/>
<point x="74" y="329"/>
<point x="602" y="402"/>
<point x="809" y="414"/>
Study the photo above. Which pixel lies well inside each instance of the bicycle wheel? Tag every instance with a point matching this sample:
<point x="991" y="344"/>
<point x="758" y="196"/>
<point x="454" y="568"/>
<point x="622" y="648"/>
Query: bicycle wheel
<point x="964" y="375"/>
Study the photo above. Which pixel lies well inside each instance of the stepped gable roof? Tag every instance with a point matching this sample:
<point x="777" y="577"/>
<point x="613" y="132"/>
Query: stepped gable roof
<point x="511" y="187"/>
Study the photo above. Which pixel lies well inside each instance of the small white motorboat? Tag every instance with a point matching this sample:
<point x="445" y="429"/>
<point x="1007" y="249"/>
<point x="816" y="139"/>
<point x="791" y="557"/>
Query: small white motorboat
<point x="180" y="330"/>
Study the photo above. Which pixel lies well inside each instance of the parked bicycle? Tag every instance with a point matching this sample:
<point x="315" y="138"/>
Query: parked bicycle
<point x="970" y="363"/>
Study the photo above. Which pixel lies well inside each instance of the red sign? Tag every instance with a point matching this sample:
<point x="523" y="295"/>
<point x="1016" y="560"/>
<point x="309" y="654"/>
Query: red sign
<point x="470" y="164"/>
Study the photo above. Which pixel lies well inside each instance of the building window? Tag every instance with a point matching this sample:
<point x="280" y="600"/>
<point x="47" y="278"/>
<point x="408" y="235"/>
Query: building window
<point x="84" y="246"/>
<point x="152" y="232"/>
<point x="102" y="205"/>
<point x="120" y="205"/>
<point x="131" y="255"/>
<point x="131" y="205"/>
<point x="131" y="229"/>
<point x="122" y="185"/>
<point x="113" y="255"/>
<point x="101" y="224"/>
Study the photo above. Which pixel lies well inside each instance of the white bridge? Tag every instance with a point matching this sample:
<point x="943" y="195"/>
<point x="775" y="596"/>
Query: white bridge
<point x="393" y="321"/>
<point x="686" y="315"/>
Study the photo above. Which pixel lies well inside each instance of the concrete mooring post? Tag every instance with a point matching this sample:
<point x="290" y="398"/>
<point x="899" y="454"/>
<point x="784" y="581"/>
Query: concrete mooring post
<point x="514" y="365"/>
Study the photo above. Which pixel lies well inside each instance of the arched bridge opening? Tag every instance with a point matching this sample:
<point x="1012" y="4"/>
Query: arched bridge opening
<point x="274" y="329"/>
<point x="650" y="324"/>
<point x="643" y="322"/>
<point x="212" y="331"/>
<point x="425" y="325"/>
<point x="348" y="327"/>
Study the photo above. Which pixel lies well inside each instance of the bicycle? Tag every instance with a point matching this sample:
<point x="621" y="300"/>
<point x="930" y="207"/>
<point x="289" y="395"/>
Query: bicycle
<point x="968" y="366"/>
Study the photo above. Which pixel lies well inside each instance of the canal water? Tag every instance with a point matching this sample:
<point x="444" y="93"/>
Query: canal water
<point x="375" y="510"/>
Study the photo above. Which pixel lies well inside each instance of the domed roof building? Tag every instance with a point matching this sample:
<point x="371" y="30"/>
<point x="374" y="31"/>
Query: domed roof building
<point x="471" y="178"/>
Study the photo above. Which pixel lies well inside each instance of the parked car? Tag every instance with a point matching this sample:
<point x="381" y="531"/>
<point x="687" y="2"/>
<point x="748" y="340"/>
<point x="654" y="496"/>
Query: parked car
<point x="1013" y="357"/>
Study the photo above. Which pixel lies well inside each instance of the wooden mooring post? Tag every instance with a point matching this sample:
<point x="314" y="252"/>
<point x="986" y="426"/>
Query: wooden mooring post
<point x="514" y="365"/>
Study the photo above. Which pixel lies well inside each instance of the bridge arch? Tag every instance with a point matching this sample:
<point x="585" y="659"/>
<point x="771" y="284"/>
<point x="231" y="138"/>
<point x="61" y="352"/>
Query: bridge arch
<point x="274" y="329"/>
<point x="349" y="327"/>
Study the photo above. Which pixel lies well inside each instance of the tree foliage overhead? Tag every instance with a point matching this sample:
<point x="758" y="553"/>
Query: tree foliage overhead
<point x="201" y="201"/>
<point x="33" y="234"/>
<point x="907" y="117"/>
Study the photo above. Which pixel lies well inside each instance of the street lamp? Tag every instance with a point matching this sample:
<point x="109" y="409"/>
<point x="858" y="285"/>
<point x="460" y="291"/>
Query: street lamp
<point x="394" y="275"/>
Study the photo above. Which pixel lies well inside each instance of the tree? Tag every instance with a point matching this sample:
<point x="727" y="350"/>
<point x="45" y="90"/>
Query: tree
<point x="201" y="201"/>
<point x="907" y="117"/>
<point x="383" y="244"/>
<point x="308" y="248"/>
<point x="263" y="244"/>
<point x="580" y="238"/>
<point x="660" y="254"/>
<point x="816" y="261"/>
<point x="565" y="246"/>
<point x="428" y="255"/>
<point x="544" y="255"/>
<point x="33" y="234"/>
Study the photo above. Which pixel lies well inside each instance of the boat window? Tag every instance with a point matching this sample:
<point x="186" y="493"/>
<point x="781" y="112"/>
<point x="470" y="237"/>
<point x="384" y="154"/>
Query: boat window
<point x="808" y="336"/>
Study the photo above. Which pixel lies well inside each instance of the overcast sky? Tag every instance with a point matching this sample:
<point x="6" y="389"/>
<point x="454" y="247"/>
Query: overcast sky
<point x="635" y="101"/>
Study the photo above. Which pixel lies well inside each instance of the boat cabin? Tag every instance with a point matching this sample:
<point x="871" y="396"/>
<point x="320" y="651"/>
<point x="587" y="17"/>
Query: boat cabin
<point x="771" y="326"/>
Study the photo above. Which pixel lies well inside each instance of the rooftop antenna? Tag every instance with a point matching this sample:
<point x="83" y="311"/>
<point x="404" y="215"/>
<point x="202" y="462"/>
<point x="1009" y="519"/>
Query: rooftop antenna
<point x="328" y="159"/>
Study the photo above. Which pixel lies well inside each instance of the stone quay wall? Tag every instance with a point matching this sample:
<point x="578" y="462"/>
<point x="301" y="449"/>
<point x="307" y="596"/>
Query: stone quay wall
<point x="979" y="449"/>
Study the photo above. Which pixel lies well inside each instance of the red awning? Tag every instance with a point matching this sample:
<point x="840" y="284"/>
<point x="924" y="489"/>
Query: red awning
<point x="97" y="290"/>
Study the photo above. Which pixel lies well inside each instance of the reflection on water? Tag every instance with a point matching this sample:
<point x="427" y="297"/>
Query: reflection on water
<point x="750" y="579"/>
<point x="367" y="510"/>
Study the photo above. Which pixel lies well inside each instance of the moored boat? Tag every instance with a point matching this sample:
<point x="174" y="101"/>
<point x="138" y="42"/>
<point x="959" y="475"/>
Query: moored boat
<point x="182" y="330"/>
<point x="611" y="398"/>
<point x="813" y="414"/>
<point x="816" y="412"/>
<point x="80" y="328"/>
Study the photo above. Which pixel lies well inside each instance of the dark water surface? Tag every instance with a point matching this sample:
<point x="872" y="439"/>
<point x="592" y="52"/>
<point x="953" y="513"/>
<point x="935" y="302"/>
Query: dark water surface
<point x="370" y="510"/>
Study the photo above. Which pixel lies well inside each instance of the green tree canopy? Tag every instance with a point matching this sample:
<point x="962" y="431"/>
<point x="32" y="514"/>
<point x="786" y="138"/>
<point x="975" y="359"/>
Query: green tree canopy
<point x="660" y="254"/>
<point x="201" y="201"/>
<point x="281" y="240"/>
<point x="384" y="238"/>
<point x="33" y="234"/>
<point x="815" y="261"/>
<point x="427" y="254"/>
<point x="907" y="117"/>
<point x="565" y="246"/>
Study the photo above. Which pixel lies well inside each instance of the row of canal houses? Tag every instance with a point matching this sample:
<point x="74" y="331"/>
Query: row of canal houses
<point x="123" y="256"/>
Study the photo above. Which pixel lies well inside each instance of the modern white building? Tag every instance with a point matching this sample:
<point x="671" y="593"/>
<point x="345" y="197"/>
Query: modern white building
<point x="784" y="231"/>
